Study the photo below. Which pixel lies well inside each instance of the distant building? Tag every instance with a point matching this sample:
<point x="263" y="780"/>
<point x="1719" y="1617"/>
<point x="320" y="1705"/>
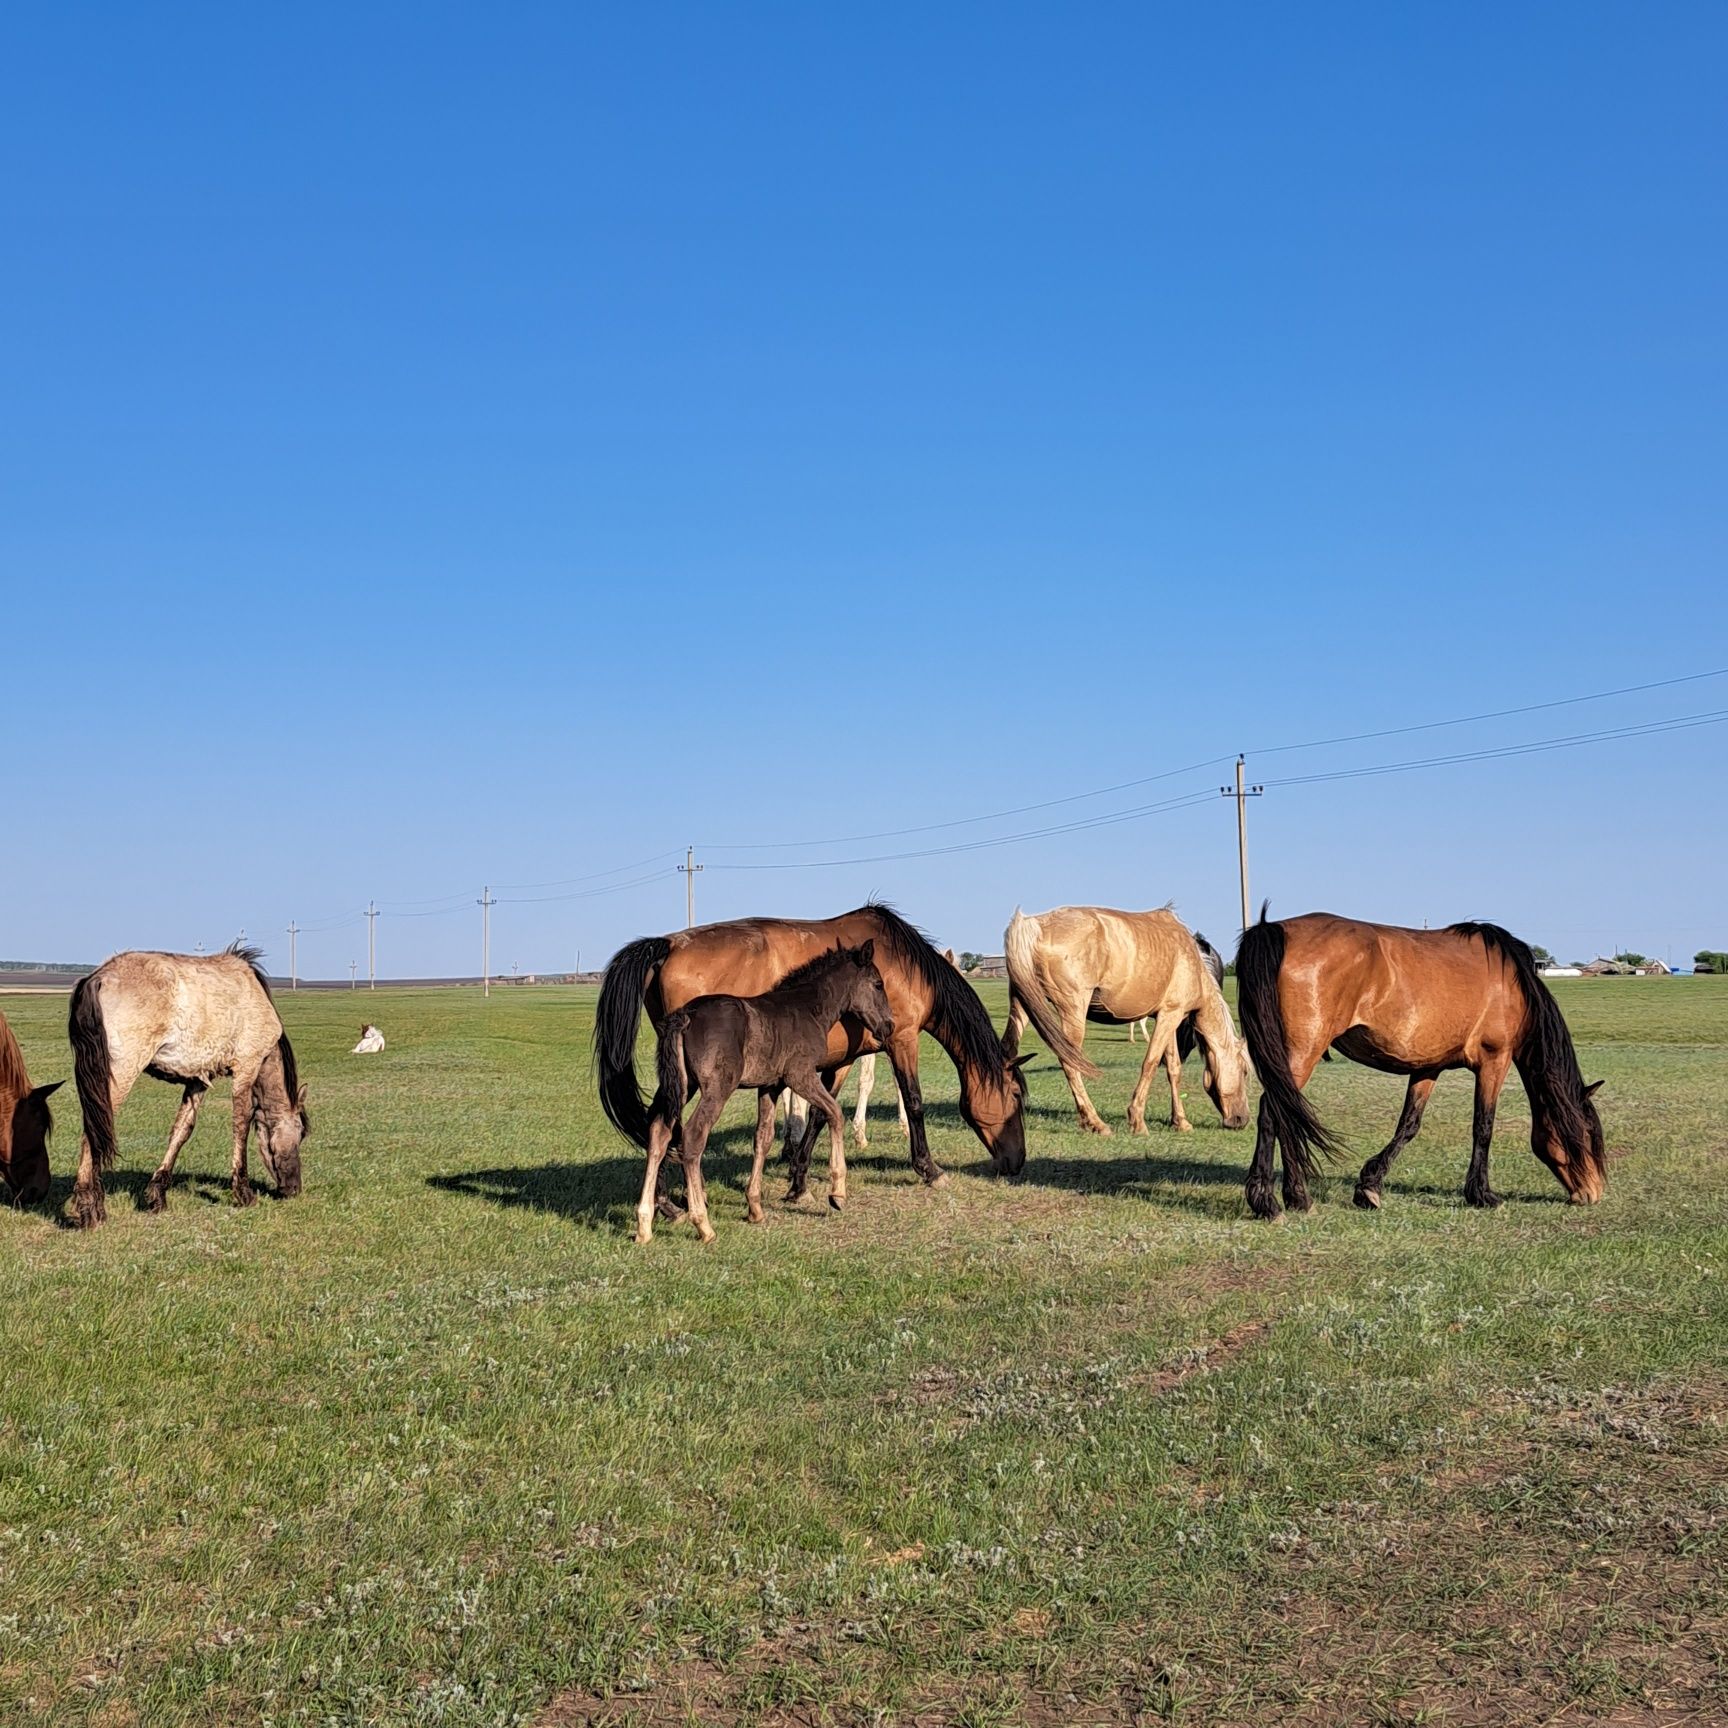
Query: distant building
<point x="1562" y="971"/>
<point x="990" y="966"/>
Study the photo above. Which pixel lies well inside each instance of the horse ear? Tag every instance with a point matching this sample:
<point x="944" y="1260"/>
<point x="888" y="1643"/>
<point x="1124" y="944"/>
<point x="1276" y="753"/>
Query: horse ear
<point x="42" y="1093"/>
<point x="300" y="1097"/>
<point x="1018" y="1063"/>
<point x="1593" y="1088"/>
<point x="867" y="954"/>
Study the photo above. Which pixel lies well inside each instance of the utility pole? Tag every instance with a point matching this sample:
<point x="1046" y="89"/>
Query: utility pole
<point x="690" y="868"/>
<point x="485" y="903"/>
<point x="293" y="955"/>
<point x="371" y="945"/>
<point x="1242" y="793"/>
<point x="353" y="967"/>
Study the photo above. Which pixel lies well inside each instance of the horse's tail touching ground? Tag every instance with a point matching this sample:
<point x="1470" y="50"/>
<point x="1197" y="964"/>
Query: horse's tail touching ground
<point x="615" y="1022"/>
<point x="669" y="1060"/>
<point x="1259" y="960"/>
<point x="90" y="1066"/>
<point x="1020" y="943"/>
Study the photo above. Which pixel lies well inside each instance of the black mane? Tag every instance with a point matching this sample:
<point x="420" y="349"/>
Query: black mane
<point x="958" y="1018"/>
<point x="817" y="967"/>
<point x="253" y="955"/>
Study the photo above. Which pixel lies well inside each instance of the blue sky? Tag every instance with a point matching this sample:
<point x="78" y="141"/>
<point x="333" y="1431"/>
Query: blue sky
<point x="456" y="445"/>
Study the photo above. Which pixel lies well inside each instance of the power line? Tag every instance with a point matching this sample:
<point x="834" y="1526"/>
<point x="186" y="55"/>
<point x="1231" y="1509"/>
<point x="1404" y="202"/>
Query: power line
<point x="1495" y="714"/>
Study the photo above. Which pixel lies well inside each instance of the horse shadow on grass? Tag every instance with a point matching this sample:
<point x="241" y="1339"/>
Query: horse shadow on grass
<point x="599" y="1193"/>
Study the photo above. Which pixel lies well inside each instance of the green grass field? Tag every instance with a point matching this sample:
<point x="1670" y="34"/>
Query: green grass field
<point x="436" y="1444"/>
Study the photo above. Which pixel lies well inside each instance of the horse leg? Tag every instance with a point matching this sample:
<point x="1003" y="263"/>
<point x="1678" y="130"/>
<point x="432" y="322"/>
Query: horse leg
<point x="1018" y="1021"/>
<point x="823" y="1100"/>
<point x="89" y="1204"/>
<point x="765" y="1109"/>
<point x="1156" y="1046"/>
<point x="903" y="1053"/>
<point x="866" y="1085"/>
<point x="796" y="1116"/>
<point x="237" y="1182"/>
<point x="1490" y="1077"/>
<point x="659" y="1138"/>
<point x="695" y="1143"/>
<point x="155" y="1196"/>
<point x="900" y="1106"/>
<point x="1369" y="1183"/>
<point x="1173" y="1067"/>
<point x="798" y="1154"/>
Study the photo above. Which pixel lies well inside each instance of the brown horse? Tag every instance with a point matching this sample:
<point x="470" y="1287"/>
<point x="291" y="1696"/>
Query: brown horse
<point x="751" y="955"/>
<point x="185" y="1019"/>
<point x="1414" y="1002"/>
<point x="25" y="1124"/>
<point x="1080" y="963"/>
<point x="772" y="1041"/>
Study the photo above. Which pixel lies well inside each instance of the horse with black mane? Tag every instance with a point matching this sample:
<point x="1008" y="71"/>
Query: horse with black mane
<point x="776" y="1040"/>
<point x="749" y="956"/>
<point x="1415" y="1002"/>
<point x="185" y="1019"/>
<point x="25" y="1124"/>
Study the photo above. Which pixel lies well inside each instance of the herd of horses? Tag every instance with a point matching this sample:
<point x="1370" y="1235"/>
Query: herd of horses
<point x="791" y="1005"/>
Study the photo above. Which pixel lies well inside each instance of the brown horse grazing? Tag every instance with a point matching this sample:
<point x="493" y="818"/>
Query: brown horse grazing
<point x="772" y="1041"/>
<point x="1080" y="963"/>
<point x="25" y="1124"/>
<point x="185" y="1019"/>
<point x="751" y="955"/>
<point x="1413" y="1002"/>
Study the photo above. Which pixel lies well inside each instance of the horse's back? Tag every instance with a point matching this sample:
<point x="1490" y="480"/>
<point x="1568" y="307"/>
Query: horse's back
<point x="189" y="1016"/>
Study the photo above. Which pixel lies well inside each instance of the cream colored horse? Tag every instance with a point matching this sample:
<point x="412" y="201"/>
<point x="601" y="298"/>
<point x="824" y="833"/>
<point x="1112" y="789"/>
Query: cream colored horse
<point x="186" y="1019"/>
<point x="1080" y="963"/>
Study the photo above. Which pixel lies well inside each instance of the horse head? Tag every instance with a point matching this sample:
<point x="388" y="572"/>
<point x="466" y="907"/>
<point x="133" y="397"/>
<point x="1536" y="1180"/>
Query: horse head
<point x="24" y="1146"/>
<point x="1570" y="1144"/>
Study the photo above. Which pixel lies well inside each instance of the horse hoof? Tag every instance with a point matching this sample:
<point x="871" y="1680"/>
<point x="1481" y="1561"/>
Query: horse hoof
<point x="837" y="1201"/>
<point x="87" y="1214"/>
<point x="1367" y="1198"/>
<point x="1183" y="1127"/>
<point x="940" y="1179"/>
<point x="1103" y="1128"/>
<point x="154" y="1198"/>
<point x="1484" y="1200"/>
<point x="1137" y="1128"/>
<point x="242" y="1192"/>
<point x="705" y="1233"/>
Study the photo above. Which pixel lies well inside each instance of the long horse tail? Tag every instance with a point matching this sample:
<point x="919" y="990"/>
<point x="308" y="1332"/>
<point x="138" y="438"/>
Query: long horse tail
<point x="1259" y="960"/>
<point x="616" y="1020"/>
<point x="669" y="1062"/>
<point x="1547" y="1058"/>
<point x="1020" y="949"/>
<point x="92" y="1068"/>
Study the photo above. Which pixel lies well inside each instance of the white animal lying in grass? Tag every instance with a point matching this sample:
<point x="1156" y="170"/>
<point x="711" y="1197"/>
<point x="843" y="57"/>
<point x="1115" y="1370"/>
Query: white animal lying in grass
<point x="371" y="1041"/>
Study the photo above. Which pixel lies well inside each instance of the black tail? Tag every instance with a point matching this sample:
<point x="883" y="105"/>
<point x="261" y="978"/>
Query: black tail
<point x="1259" y="960"/>
<point x="616" y="1020"/>
<point x="669" y="1062"/>
<point x="91" y="1068"/>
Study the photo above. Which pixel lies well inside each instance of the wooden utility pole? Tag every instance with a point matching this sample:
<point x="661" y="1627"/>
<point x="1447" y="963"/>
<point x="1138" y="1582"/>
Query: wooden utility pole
<point x="293" y="955"/>
<point x="690" y="868"/>
<point x="353" y="967"/>
<point x="1242" y="793"/>
<point x="486" y="903"/>
<point x="371" y="945"/>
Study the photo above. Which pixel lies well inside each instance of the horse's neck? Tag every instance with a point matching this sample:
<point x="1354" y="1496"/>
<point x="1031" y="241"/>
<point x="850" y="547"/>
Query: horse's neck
<point x="826" y="995"/>
<point x="270" y="1090"/>
<point x="1212" y="1019"/>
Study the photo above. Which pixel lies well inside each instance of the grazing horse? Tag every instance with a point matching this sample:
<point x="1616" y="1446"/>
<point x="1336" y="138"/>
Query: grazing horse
<point x="186" y="1019"/>
<point x="1080" y="963"/>
<point x="751" y="955"/>
<point x="1414" y="1002"/>
<point x="25" y="1124"/>
<point x="771" y="1041"/>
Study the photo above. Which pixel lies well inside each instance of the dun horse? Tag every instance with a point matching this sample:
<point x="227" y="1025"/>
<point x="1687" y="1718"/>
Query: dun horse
<point x="25" y="1124"/>
<point x="1080" y="963"/>
<point x="772" y="1041"/>
<point x="751" y="955"/>
<point x="1414" y="1002"/>
<point x="185" y="1019"/>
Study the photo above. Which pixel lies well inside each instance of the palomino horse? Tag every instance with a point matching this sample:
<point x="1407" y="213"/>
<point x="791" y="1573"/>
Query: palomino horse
<point x="1080" y="963"/>
<point x="185" y="1019"/>
<point x="772" y="1041"/>
<point x="751" y="955"/>
<point x="1413" y="1002"/>
<point x="1185" y="1032"/>
<point x="25" y="1124"/>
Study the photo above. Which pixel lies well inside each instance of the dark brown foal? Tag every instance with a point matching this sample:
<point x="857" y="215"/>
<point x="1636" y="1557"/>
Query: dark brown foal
<point x="771" y="1042"/>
